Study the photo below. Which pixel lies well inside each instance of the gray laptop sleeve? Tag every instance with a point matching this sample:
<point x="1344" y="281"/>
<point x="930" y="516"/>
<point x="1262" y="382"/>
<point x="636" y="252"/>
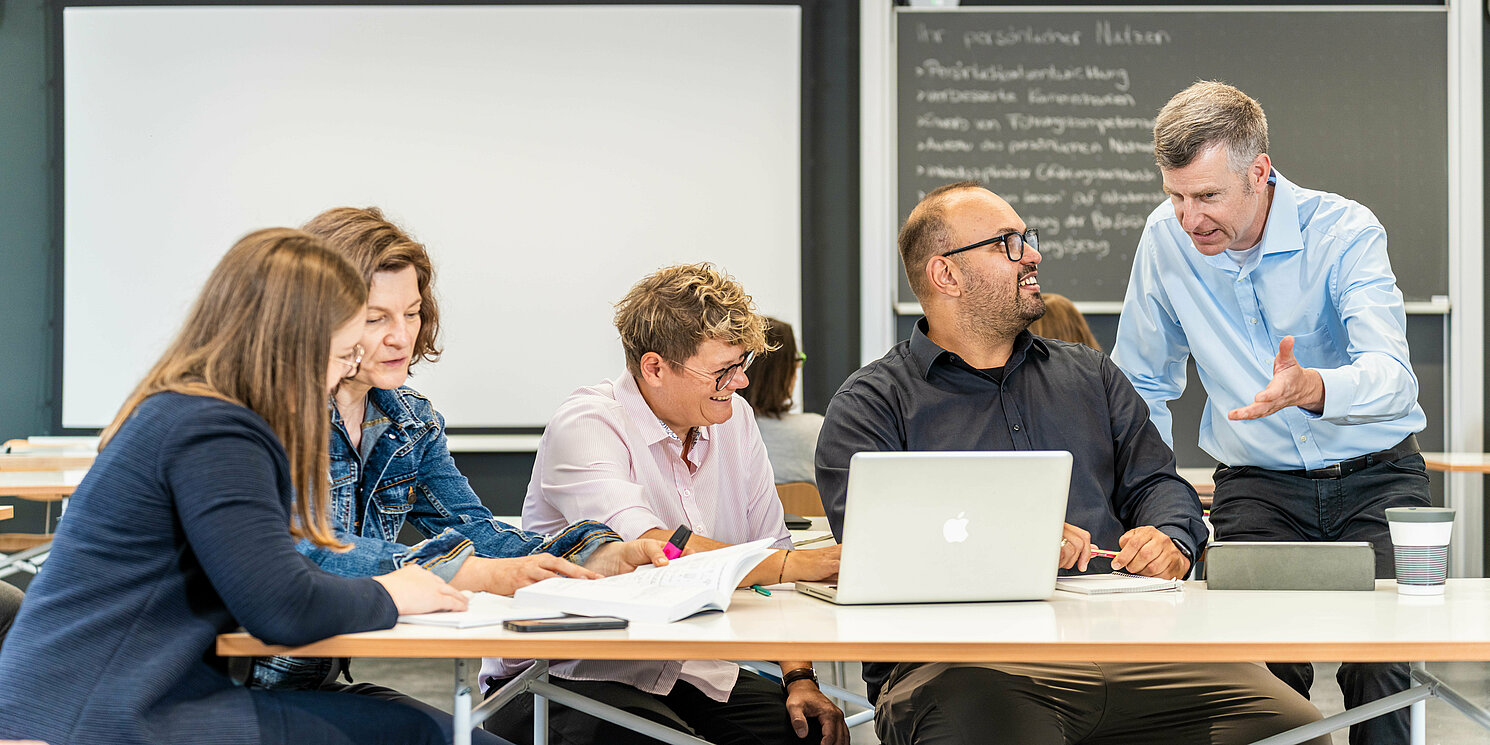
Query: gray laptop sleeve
<point x="1237" y="565"/>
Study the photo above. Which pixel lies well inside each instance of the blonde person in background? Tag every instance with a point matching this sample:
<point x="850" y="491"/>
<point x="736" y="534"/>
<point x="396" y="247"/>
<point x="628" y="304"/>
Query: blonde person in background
<point x="1063" y="322"/>
<point x="790" y="437"/>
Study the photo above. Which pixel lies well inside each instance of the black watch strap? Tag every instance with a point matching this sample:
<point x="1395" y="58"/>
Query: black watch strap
<point x="801" y="673"/>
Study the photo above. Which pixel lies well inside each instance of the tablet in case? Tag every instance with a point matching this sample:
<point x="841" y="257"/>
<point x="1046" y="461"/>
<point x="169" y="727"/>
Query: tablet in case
<point x="1239" y="565"/>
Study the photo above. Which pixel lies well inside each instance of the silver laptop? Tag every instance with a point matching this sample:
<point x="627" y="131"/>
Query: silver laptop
<point x="950" y="527"/>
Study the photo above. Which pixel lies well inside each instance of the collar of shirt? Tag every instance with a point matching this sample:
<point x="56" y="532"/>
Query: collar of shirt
<point x="374" y="424"/>
<point x="641" y="414"/>
<point x="927" y="353"/>
<point x="1281" y="233"/>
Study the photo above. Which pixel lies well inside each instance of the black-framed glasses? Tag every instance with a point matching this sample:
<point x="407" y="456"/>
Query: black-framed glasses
<point x="1014" y="244"/>
<point x="727" y="375"/>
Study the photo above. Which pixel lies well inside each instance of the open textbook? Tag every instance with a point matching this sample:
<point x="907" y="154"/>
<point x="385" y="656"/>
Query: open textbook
<point x="1103" y="584"/>
<point x="687" y="585"/>
<point x="484" y="609"/>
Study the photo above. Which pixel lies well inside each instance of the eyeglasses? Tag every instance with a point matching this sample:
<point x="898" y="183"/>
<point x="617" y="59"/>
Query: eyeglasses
<point x="1014" y="244"/>
<point x="353" y="361"/>
<point x="727" y="375"/>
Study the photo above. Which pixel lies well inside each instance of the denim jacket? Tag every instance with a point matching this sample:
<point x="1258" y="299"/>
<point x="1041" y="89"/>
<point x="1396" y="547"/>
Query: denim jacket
<point x="409" y="476"/>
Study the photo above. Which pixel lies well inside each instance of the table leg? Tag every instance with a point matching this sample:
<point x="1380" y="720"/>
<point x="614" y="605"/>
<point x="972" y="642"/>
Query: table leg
<point x="1417" y="714"/>
<point x="1479" y="714"/>
<point x="540" y="715"/>
<point x="1415" y="694"/>
<point x="612" y="714"/>
<point x="461" y="729"/>
<point x="1418" y="723"/>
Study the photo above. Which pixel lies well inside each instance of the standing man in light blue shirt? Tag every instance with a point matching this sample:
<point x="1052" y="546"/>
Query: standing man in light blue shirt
<point x="1285" y="298"/>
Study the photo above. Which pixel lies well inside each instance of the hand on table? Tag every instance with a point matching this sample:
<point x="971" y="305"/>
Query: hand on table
<point x="1148" y="551"/>
<point x="416" y="590"/>
<point x="811" y="564"/>
<point x="505" y="576"/>
<point x="1292" y="385"/>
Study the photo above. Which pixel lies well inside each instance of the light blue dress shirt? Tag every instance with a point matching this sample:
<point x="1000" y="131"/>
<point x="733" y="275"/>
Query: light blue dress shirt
<point x="1321" y="276"/>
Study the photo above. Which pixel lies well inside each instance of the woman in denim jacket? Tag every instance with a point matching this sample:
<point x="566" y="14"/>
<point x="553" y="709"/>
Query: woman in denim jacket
<point x="394" y="466"/>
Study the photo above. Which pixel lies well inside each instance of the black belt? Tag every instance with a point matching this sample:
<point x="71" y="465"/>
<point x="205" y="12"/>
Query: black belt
<point x="1345" y="468"/>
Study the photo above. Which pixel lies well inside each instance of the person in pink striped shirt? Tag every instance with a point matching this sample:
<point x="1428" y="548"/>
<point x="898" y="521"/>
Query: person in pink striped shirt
<point x="668" y="443"/>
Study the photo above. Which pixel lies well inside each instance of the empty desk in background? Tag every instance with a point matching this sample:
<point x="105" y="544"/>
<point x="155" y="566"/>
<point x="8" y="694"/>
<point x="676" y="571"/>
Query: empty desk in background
<point x="1468" y="530"/>
<point x="1457" y="462"/>
<point x="43" y="475"/>
<point x="1194" y="625"/>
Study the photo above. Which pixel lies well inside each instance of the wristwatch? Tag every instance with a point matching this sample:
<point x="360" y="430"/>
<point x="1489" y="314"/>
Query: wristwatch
<point x="801" y="673"/>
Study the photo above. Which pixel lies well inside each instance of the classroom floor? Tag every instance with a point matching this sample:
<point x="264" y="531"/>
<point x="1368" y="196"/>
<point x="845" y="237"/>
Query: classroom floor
<point x="431" y="681"/>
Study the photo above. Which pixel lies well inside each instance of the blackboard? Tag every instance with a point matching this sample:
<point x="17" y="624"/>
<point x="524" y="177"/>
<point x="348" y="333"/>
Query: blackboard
<point x="1053" y="110"/>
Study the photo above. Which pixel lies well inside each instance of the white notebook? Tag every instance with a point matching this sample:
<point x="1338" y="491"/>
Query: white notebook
<point x="687" y="585"/>
<point x="1104" y="584"/>
<point x="484" y="609"/>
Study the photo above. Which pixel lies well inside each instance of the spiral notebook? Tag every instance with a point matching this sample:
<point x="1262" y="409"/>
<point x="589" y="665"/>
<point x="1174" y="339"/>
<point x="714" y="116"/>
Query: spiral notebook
<point x="1116" y="582"/>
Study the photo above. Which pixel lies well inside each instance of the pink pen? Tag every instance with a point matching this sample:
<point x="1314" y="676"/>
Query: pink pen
<point x="674" y="546"/>
<point x="1103" y="552"/>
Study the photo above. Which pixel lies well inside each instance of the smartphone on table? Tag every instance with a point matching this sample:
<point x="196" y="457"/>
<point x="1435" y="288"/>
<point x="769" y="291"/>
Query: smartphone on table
<point x="566" y="623"/>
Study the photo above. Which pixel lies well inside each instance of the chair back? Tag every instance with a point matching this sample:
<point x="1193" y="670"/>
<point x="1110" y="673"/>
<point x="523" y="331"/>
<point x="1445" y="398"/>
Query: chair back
<point x="800" y="498"/>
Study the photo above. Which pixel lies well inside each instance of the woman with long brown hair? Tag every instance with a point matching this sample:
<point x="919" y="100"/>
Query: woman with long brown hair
<point x="185" y="528"/>
<point x="790" y="437"/>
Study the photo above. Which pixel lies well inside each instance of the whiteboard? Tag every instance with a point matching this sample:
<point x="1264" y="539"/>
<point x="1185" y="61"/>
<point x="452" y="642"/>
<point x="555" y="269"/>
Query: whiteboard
<point x="549" y="157"/>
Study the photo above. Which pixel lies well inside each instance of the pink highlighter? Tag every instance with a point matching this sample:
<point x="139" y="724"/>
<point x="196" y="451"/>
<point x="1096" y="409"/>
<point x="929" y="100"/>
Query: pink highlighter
<point x="674" y="546"/>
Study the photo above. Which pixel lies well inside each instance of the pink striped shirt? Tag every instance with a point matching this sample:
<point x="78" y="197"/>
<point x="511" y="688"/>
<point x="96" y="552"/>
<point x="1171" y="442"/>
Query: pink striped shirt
<point x="605" y="456"/>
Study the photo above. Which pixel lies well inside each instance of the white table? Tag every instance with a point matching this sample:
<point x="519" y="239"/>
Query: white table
<point x="47" y="475"/>
<point x="1195" y="625"/>
<point x="1457" y="462"/>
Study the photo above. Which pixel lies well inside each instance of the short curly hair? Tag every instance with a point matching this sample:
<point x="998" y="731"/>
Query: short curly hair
<point x="674" y="310"/>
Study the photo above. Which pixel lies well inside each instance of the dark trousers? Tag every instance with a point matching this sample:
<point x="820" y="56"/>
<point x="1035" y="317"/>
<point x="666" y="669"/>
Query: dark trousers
<point x="342" y="719"/>
<point x="755" y="714"/>
<point x="975" y="703"/>
<point x="1254" y="504"/>
<point x="360" y="714"/>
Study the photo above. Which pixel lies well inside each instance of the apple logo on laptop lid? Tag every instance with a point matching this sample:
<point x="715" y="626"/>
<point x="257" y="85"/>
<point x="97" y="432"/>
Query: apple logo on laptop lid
<point x="954" y="530"/>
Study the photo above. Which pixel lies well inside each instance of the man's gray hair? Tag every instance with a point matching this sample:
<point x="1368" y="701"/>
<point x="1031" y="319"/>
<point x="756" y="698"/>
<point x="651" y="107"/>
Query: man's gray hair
<point x="1206" y="114"/>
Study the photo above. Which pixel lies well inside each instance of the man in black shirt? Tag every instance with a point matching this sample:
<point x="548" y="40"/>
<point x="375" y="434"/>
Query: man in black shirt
<point x="973" y="378"/>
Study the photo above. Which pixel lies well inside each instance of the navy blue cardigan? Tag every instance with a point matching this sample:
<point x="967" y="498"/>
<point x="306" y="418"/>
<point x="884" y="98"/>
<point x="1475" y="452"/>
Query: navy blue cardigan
<point x="179" y="533"/>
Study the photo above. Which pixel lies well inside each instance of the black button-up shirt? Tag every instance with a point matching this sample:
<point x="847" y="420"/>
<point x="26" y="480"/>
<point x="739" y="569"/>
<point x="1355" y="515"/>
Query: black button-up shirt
<point x="1052" y="395"/>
